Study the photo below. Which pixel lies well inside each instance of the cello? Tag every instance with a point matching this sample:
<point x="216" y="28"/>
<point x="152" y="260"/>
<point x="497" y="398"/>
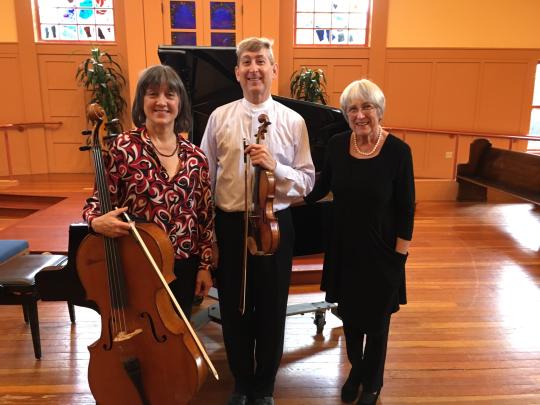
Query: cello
<point x="261" y="228"/>
<point x="147" y="353"/>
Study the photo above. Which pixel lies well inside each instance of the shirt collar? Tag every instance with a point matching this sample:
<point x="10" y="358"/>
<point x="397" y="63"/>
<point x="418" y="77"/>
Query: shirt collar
<point x="264" y="106"/>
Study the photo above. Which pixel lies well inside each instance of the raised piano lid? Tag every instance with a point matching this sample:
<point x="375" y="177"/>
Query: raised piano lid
<point x="208" y="74"/>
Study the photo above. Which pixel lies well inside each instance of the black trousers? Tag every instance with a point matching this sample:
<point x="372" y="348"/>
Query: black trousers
<point x="254" y="341"/>
<point x="183" y="287"/>
<point x="367" y="360"/>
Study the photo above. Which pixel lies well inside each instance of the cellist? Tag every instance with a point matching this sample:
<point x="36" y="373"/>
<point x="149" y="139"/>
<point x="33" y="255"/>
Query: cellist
<point x="156" y="175"/>
<point x="254" y="339"/>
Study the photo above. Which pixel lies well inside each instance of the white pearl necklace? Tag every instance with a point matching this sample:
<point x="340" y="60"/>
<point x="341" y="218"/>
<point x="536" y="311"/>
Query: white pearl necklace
<point x="357" y="149"/>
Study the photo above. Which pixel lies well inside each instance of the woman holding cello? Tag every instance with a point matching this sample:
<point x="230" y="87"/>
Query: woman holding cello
<point x="156" y="175"/>
<point x="148" y="353"/>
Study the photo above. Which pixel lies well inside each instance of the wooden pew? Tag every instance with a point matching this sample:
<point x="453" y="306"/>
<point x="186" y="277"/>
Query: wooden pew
<point x="515" y="173"/>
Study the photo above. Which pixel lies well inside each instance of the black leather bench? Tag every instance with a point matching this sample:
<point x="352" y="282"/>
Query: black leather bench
<point x="512" y="172"/>
<point x="17" y="287"/>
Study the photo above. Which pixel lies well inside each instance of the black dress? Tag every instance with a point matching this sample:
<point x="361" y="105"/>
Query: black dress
<point x="373" y="204"/>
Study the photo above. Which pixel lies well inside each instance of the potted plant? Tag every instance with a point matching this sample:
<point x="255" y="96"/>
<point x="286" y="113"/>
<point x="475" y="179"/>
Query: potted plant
<point x="102" y="76"/>
<point x="309" y="85"/>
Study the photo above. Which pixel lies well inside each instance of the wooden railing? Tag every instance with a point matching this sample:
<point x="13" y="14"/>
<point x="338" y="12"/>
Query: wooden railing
<point x="21" y="126"/>
<point x="524" y="137"/>
<point x="437" y="152"/>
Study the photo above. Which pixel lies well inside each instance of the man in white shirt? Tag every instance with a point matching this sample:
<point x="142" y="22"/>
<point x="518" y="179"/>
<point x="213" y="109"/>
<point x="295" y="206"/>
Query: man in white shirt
<point x="254" y="341"/>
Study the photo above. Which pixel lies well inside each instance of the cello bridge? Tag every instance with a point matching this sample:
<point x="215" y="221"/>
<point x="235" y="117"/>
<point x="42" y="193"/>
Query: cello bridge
<point x="123" y="335"/>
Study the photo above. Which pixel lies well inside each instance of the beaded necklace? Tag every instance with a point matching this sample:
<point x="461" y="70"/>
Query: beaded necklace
<point x="357" y="149"/>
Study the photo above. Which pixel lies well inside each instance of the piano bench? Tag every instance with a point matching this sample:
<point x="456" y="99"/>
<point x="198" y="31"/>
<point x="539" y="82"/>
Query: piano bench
<point x="12" y="248"/>
<point x="17" y="287"/>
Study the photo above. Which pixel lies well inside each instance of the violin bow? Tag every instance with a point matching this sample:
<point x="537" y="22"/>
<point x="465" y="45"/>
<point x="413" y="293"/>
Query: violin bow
<point x="243" y="286"/>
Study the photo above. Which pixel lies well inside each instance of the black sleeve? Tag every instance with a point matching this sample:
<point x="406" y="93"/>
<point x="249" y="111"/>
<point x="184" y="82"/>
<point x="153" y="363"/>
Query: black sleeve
<point x="405" y="195"/>
<point x="323" y="180"/>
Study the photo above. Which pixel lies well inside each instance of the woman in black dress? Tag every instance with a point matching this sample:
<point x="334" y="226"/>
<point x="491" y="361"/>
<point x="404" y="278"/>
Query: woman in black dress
<point x="370" y="174"/>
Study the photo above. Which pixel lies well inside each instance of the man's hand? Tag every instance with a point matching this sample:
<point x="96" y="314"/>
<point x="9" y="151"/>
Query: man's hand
<point x="260" y="155"/>
<point x="110" y="224"/>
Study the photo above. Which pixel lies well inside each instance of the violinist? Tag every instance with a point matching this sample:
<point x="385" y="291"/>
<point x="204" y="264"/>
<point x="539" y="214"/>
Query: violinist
<point x="156" y="175"/>
<point x="254" y="340"/>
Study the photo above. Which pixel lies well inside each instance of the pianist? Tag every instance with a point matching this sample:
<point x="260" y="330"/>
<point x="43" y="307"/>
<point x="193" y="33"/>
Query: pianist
<point x="254" y="341"/>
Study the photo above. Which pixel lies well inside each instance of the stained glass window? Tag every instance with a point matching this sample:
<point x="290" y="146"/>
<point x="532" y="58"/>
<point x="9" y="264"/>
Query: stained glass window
<point x="183" y="14"/>
<point x="222" y="15"/>
<point x="203" y="22"/>
<point x="183" y="22"/>
<point x="332" y="22"/>
<point x="75" y="20"/>
<point x="184" y="38"/>
<point x="223" y="39"/>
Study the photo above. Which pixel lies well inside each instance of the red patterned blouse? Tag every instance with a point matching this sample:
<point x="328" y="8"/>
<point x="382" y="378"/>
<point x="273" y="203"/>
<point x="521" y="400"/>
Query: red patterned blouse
<point x="181" y="206"/>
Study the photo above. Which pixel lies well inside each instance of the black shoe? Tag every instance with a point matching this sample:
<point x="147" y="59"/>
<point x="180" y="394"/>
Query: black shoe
<point x="350" y="389"/>
<point x="238" y="399"/>
<point x="264" y="401"/>
<point x="368" y="398"/>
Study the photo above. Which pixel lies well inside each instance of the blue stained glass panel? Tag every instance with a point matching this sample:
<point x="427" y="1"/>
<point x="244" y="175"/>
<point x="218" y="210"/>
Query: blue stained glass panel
<point x="67" y="16"/>
<point x="183" y="14"/>
<point x="68" y="32"/>
<point x="86" y="16"/>
<point x="223" y="38"/>
<point x="85" y="3"/>
<point x="222" y="15"/>
<point x="184" y="38"/>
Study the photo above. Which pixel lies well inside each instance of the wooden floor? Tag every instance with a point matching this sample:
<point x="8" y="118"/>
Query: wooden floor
<point x="469" y="335"/>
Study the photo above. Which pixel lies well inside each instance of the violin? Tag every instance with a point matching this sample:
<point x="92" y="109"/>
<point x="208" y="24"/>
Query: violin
<point x="147" y="353"/>
<point x="263" y="237"/>
<point x="261" y="228"/>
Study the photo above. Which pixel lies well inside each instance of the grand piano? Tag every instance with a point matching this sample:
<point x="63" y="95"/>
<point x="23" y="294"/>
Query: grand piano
<point x="208" y="74"/>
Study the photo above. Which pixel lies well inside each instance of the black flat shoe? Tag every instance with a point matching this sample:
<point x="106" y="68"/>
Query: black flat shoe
<point x="238" y="399"/>
<point x="350" y="389"/>
<point x="368" y="398"/>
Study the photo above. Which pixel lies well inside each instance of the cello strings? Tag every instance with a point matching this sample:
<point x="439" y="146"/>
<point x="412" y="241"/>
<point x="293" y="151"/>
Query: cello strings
<point x="111" y="250"/>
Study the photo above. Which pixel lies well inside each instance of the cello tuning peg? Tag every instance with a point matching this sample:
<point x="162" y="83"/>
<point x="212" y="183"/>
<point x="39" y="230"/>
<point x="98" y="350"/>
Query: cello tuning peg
<point x="84" y="148"/>
<point x="109" y="137"/>
<point x="86" y="132"/>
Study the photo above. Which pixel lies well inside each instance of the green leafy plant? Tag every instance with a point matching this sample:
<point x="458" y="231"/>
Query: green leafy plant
<point x="309" y="85"/>
<point x="102" y="76"/>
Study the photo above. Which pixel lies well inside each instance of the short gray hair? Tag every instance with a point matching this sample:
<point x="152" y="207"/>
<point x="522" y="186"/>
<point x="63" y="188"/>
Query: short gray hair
<point x="367" y="91"/>
<point x="255" y="44"/>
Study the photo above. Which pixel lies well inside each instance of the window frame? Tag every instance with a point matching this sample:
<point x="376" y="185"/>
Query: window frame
<point x="37" y="29"/>
<point x="367" y="43"/>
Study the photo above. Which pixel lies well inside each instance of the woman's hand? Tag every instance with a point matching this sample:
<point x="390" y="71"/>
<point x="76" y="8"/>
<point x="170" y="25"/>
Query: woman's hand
<point x="402" y="246"/>
<point x="203" y="283"/>
<point x="110" y="224"/>
<point x="215" y="255"/>
<point x="260" y="155"/>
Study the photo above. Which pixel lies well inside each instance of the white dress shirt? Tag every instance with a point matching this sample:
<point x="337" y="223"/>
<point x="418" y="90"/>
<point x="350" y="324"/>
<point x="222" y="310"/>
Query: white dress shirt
<point x="287" y="140"/>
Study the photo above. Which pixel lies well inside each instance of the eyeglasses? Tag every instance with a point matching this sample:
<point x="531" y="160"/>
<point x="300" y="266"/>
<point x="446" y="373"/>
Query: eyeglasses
<point x="365" y="108"/>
